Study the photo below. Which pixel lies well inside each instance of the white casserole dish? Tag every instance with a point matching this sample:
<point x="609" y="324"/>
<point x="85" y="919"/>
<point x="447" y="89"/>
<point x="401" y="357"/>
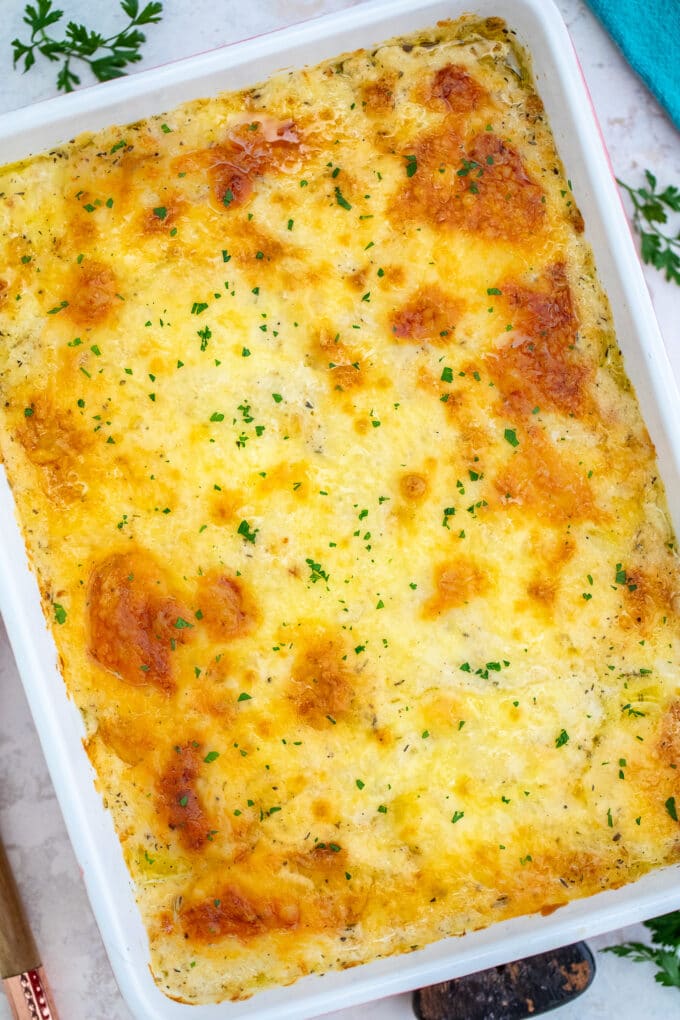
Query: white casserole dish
<point x="540" y="29"/>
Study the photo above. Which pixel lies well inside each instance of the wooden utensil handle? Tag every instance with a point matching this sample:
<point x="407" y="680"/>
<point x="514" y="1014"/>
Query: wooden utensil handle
<point x="18" y="952"/>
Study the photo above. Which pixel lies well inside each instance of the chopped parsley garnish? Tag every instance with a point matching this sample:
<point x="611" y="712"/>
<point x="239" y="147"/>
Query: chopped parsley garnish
<point x="467" y="167"/>
<point x="562" y="739"/>
<point x="211" y="756"/>
<point x="411" y="165"/>
<point x="59" y="613"/>
<point x="316" y="572"/>
<point x="457" y="815"/>
<point x="341" y="200"/>
<point x="245" y="530"/>
<point x="205" y="335"/>
<point x="511" y="437"/>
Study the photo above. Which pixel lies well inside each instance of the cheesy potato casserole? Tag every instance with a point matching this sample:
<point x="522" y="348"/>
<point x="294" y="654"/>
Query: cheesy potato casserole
<point x="346" y="523"/>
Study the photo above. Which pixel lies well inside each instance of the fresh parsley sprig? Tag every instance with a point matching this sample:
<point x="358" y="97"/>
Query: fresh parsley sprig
<point x="651" y="208"/>
<point x="665" y="951"/>
<point x="106" y="57"/>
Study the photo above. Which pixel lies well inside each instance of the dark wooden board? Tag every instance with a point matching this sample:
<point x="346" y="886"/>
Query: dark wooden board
<point x="514" y="991"/>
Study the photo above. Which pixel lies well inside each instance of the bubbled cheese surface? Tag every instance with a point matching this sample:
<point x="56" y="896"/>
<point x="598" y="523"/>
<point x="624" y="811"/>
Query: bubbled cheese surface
<point x="345" y="519"/>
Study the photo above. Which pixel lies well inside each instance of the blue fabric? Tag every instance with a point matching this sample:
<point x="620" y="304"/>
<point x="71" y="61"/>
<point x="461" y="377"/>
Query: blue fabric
<point x="648" y="34"/>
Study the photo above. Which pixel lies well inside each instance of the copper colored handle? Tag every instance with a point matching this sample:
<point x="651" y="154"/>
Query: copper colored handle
<point x="30" y="997"/>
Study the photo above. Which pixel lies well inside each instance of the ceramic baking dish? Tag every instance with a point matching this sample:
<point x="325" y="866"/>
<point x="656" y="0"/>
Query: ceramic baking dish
<point x="560" y="83"/>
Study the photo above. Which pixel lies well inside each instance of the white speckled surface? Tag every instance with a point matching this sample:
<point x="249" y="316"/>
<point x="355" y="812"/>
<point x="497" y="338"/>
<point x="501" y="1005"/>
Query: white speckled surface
<point x="638" y="135"/>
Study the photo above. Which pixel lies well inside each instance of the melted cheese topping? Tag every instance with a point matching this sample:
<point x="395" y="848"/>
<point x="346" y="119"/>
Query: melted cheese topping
<point x="346" y="522"/>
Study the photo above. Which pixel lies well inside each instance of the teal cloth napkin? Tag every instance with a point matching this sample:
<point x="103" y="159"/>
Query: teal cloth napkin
<point x="648" y="34"/>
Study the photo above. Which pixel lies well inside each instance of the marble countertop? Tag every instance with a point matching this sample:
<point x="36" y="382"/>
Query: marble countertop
<point x="638" y="135"/>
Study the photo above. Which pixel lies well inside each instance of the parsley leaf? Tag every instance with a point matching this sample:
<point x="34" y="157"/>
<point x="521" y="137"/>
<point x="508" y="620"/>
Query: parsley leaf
<point x="316" y="571"/>
<point x="651" y="208"/>
<point x="411" y="165"/>
<point x="106" y="57"/>
<point x="248" y="533"/>
<point x="664" y="951"/>
<point x="341" y="200"/>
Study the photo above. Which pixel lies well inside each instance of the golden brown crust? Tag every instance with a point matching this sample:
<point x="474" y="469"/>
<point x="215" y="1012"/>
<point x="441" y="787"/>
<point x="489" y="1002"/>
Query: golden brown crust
<point x="134" y="622"/>
<point x="345" y="519"/>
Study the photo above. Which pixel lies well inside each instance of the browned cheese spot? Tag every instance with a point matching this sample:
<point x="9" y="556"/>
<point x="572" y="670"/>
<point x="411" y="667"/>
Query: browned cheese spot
<point x="251" y="151"/>
<point x="321" y="683"/>
<point x="378" y="96"/>
<point x="130" y="738"/>
<point x="429" y="314"/>
<point x="457" y="581"/>
<point x="236" y="911"/>
<point x="580" y="870"/>
<point x="215" y="692"/>
<point x="224" y="505"/>
<point x="413" y="487"/>
<point x="333" y="905"/>
<point x="163" y="217"/>
<point x="481" y="187"/>
<point x="525" y="890"/>
<point x="668" y="742"/>
<point x="454" y="90"/>
<point x="228" y="609"/>
<point x="54" y="442"/>
<point x="534" y="107"/>
<point x="550" y="553"/>
<point x="543" y="589"/>
<point x="178" y="802"/>
<point x="304" y="889"/>
<point x="342" y="363"/>
<point x="547" y="482"/>
<point x="538" y="367"/>
<point x="649" y="594"/>
<point x="91" y="293"/>
<point x="133" y="620"/>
